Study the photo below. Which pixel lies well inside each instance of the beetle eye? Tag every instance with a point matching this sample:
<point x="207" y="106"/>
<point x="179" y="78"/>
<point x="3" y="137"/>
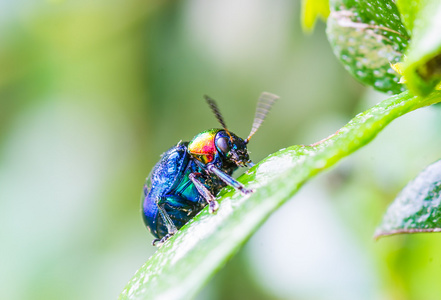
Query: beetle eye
<point x="222" y="145"/>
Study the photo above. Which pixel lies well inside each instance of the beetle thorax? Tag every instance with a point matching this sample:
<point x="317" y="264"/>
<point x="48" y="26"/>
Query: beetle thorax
<point x="202" y="146"/>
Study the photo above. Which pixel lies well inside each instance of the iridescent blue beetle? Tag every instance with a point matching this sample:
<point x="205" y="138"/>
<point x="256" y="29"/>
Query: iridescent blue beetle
<point x="189" y="174"/>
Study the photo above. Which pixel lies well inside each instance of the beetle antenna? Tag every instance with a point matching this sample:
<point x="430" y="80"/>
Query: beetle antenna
<point x="264" y="104"/>
<point x="218" y="115"/>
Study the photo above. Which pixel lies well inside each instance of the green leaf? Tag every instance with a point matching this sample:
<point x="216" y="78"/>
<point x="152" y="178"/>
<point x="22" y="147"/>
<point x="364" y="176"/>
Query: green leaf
<point x="311" y="10"/>
<point x="422" y="65"/>
<point x="407" y="9"/>
<point x="417" y="207"/>
<point x="367" y="36"/>
<point x="187" y="260"/>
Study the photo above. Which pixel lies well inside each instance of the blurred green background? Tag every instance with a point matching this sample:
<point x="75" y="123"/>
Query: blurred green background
<point x="92" y="92"/>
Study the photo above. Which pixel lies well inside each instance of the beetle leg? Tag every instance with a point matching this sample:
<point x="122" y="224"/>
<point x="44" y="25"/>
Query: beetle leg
<point x="229" y="180"/>
<point x="212" y="203"/>
<point x="171" y="228"/>
<point x="159" y="242"/>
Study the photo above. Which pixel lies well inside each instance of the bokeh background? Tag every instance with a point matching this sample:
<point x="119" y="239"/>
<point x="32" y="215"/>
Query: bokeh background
<point x="92" y="92"/>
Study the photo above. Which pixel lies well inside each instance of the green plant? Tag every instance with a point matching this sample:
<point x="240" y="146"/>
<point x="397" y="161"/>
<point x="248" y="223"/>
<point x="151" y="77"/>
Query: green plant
<point x="367" y="36"/>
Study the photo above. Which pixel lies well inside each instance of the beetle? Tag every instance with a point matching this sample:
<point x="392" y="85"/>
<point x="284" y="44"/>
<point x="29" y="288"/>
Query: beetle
<point x="190" y="174"/>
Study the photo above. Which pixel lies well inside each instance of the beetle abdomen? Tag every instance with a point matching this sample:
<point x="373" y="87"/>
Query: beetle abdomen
<point x="166" y="174"/>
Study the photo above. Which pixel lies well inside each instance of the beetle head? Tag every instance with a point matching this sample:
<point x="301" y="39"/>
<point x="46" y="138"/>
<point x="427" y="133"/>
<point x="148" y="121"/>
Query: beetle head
<point x="232" y="148"/>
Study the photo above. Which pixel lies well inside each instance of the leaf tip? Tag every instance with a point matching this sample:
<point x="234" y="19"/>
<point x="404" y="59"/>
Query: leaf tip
<point x="311" y="11"/>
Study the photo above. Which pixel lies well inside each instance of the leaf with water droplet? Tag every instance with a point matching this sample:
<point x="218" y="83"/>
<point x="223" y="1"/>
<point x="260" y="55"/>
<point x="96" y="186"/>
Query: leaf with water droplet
<point x="188" y="259"/>
<point x="417" y="208"/>
<point x="367" y="36"/>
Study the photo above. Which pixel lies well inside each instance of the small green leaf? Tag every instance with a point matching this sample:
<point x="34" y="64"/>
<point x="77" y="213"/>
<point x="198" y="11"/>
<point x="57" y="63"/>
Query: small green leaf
<point x="418" y="207"/>
<point x="422" y="65"/>
<point x="407" y="9"/>
<point x="367" y="36"/>
<point x="311" y="10"/>
<point x="188" y="259"/>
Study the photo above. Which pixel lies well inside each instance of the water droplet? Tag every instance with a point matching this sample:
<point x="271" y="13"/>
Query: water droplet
<point x="361" y="74"/>
<point x="391" y="71"/>
<point x="346" y="58"/>
<point x="379" y="84"/>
